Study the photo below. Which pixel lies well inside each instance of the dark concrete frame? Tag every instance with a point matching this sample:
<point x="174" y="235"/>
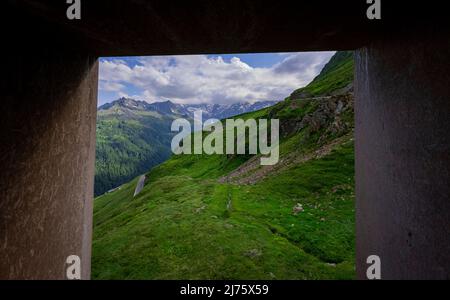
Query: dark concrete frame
<point x="49" y="88"/>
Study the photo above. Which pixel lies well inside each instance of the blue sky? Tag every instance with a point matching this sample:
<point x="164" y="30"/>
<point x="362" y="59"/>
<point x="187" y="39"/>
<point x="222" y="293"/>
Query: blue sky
<point x="225" y="78"/>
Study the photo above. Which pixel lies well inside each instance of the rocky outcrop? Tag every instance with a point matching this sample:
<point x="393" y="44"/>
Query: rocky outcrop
<point x="327" y="115"/>
<point x="327" y="124"/>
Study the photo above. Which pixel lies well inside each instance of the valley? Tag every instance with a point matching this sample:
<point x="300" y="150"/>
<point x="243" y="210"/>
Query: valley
<point x="133" y="136"/>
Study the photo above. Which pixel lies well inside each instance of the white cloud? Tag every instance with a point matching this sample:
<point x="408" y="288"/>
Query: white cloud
<point x="111" y="86"/>
<point x="199" y="79"/>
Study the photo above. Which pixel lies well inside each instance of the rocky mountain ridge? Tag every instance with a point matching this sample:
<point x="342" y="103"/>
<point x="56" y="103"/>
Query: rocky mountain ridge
<point x="217" y="111"/>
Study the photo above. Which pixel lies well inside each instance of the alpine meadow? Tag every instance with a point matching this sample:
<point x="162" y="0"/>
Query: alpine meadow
<point x="226" y="216"/>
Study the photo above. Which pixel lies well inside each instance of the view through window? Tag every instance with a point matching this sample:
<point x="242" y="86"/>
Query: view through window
<point x="165" y="209"/>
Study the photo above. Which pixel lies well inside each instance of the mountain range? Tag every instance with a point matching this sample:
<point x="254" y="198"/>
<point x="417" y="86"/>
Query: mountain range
<point x="217" y="111"/>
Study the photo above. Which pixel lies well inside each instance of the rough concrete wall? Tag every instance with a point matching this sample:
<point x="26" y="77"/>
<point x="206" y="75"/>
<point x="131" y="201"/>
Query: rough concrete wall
<point x="402" y="114"/>
<point x="47" y="153"/>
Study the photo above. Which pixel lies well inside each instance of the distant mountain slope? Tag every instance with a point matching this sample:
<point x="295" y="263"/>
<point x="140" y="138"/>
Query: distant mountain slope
<point x="133" y="136"/>
<point x="225" y="217"/>
<point x="129" y="142"/>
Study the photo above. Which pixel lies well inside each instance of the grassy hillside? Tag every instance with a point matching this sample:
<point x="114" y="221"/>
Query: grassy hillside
<point x="337" y="74"/>
<point x="227" y="217"/>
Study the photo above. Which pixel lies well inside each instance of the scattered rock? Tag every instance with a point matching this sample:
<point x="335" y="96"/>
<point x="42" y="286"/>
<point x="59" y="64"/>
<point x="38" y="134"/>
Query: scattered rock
<point x="297" y="209"/>
<point x="339" y="107"/>
<point x="229" y="226"/>
<point x="200" y="209"/>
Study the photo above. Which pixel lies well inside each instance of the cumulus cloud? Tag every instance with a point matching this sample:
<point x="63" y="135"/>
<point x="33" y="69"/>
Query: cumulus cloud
<point x="111" y="86"/>
<point x="203" y="79"/>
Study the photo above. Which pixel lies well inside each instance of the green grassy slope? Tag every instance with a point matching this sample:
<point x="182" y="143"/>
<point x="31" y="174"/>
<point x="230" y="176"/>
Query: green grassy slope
<point x="197" y="218"/>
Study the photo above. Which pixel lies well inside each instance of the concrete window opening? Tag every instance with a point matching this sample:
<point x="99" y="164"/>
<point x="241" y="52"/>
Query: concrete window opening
<point x="49" y="88"/>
